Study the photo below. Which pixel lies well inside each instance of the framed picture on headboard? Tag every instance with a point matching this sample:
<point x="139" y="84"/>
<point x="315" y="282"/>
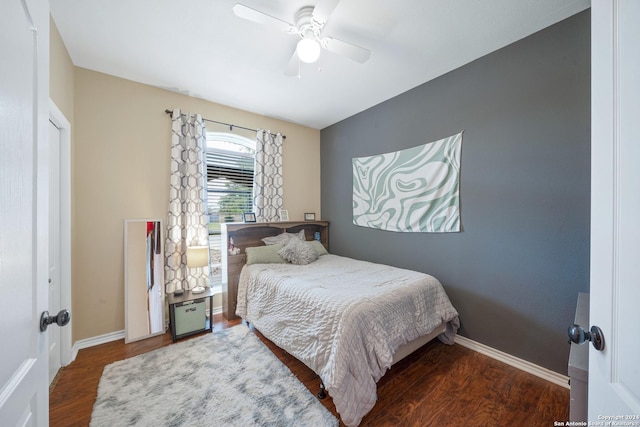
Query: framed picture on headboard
<point x="284" y="215"/>
<point x="309" y="216"/>
<point x="249" y="217"/>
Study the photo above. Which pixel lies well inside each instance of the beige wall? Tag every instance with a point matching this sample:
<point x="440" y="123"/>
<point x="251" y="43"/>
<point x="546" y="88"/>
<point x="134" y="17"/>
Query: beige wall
<point x="121" y="163"/>
<point x="120" y="142"/>
<point x="61" y="73"/>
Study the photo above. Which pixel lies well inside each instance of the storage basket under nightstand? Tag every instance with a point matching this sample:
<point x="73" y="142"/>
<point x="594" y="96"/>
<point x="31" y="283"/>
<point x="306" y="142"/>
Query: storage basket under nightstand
<point x="187" y="313"/>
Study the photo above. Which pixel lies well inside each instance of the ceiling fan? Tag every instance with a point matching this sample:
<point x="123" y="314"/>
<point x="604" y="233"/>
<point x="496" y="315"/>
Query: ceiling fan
<point x="310" y="22"/>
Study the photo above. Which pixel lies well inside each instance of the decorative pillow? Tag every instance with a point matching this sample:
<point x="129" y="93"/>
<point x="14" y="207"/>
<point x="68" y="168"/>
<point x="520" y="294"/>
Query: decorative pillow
<point x="298" y="252"/>
<point x="318" y="247"/>
<point x="283" y="238"/>
<point x="264" y="254"/>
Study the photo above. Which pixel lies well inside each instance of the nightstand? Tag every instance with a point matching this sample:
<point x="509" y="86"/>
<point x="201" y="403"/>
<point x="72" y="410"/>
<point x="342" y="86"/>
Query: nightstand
<point x="187" y="313"/>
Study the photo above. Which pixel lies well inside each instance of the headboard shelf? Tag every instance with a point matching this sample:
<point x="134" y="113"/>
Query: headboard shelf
<point x="237" y="236"/>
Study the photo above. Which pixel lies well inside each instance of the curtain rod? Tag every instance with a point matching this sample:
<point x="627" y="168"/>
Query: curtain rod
<point x="231" y="126"/>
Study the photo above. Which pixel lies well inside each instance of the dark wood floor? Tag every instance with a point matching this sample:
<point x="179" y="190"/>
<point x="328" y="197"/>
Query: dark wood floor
<point x="438" y="385"/>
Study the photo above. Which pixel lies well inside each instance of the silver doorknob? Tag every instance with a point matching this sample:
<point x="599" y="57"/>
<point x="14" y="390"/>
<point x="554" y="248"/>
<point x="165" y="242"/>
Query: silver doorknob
<point x="578" y="335"/>
<point x="61" y="319"/>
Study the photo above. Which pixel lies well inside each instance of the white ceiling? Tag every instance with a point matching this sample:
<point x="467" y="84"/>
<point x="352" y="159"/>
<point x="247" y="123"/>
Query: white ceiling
<point x="200" y="48"/>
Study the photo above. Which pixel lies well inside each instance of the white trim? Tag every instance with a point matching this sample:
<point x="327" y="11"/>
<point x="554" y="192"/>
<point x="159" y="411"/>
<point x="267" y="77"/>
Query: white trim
<point x="60" y="121"/>
<point x="114" y="336"/>
<point x="91" y="342"/>
<point x="538" y="371"/>
<point x="233" y="138"/>
<point x="119" y="335"/>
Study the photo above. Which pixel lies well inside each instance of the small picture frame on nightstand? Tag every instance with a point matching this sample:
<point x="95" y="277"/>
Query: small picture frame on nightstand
<point x="249" y="217"/>
<point x="309" y="216"/>
<point x="284" y="215"/>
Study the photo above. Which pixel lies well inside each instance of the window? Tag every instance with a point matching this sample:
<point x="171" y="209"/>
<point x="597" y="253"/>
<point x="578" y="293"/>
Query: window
<point x="230" y="164"/>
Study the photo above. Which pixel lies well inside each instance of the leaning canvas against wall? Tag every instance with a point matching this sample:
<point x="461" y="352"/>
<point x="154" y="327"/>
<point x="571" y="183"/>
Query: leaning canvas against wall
<point x="412" y="190"/>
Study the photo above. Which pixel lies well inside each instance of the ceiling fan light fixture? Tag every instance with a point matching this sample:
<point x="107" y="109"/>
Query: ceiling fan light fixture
<point x="308" y="50"/>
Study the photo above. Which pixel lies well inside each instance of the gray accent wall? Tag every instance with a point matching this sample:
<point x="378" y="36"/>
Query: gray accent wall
<point x="515" y="270"/>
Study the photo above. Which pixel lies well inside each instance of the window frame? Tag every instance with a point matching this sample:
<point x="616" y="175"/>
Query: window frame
<point x="215" y="243"/>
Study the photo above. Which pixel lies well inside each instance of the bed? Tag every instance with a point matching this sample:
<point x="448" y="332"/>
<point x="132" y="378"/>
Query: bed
<point x="348" y="320"/>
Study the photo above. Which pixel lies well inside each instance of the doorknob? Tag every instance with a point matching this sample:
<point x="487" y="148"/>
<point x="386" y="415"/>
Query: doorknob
<point x="578" y="335"/>
<point x="61" y="319"/>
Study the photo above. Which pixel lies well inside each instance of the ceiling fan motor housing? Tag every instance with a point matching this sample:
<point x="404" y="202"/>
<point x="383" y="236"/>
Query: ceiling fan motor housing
<point x="307" y="26"/>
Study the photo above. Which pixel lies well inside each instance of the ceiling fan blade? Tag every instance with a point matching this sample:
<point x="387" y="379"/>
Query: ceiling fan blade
<point x="249" y="14"/>
<point x="323" y="9"/>
<point x="351" y="51"/>
<point x="293" y="66"/>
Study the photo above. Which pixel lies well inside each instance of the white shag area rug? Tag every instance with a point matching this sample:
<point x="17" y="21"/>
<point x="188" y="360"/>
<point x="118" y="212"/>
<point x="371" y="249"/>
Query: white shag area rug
<point x="226" y="378"/>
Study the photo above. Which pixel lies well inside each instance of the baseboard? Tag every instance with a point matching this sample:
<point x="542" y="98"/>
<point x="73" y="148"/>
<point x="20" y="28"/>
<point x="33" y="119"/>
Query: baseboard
<point x="113" y="336"/>
<point x="90" y="342"/>
<point x="538" y="371"/>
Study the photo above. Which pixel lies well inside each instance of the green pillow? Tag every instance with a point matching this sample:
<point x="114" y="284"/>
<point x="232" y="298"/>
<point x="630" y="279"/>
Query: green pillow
<point x="319" y="247"/>
<point x="264" y="255"/>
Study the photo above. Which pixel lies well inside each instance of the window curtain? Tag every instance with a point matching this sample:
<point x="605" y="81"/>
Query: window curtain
<point x="267" y="188"/>
<point x="187" y="222"/>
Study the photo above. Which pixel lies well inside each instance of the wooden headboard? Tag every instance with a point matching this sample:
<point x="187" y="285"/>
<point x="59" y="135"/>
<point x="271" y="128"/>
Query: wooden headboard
<point x="244" y="235"/>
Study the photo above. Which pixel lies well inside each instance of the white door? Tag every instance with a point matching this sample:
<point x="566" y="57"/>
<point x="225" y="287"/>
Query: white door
<point x="54" y="248"/>
<point x="24" y="79"/>
<point x="614" y="376"/>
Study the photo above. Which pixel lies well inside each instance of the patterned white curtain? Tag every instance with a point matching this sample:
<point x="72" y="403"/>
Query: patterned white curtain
<point x="187" y="220"/>
<point x="267" y="187"/>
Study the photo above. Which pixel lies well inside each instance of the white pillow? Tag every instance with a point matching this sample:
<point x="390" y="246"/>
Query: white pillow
<point x="283" y="238"/>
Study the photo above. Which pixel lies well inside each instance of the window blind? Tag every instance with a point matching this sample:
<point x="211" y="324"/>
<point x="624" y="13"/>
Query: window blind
<point x="229" y="184"/>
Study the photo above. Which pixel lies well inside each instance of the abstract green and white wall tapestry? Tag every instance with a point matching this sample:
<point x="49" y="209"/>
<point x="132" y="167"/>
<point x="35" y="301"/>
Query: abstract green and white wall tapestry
<point x="412" y="190"/>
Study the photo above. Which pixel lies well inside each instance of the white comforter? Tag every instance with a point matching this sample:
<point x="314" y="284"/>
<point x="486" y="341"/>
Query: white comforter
<point x="344" y="319"/>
